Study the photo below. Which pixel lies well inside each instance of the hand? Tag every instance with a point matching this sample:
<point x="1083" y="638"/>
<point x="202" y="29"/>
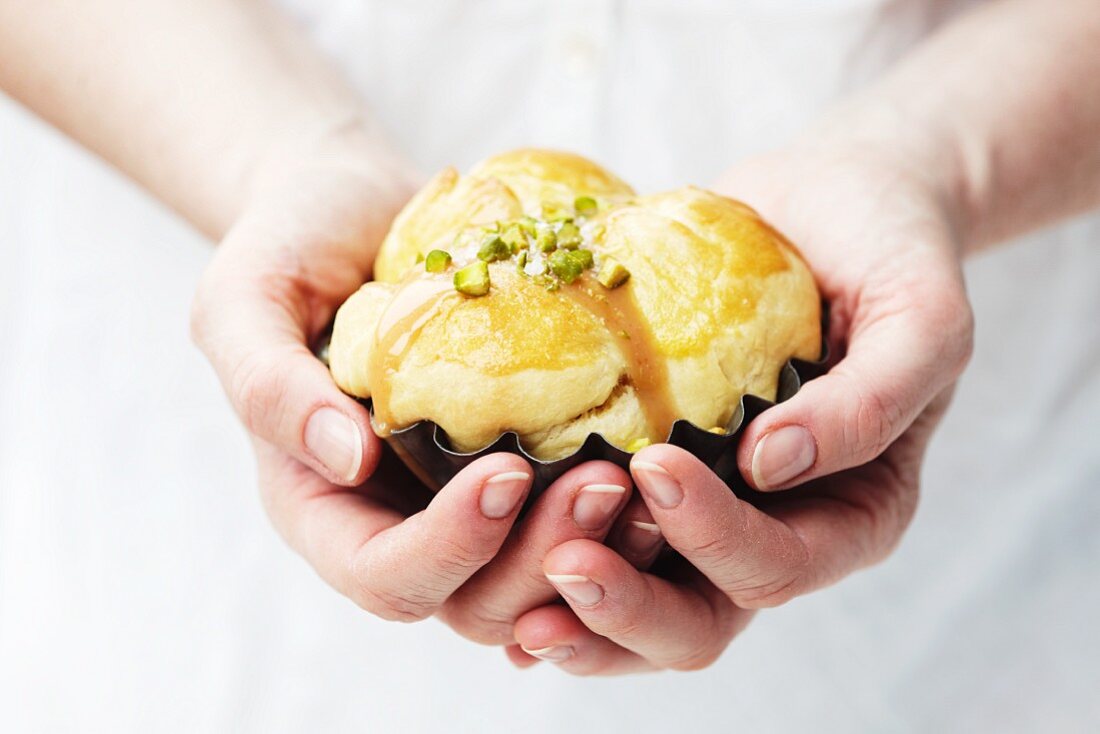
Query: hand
<point x="874" y="231"/>
<point x="304" y="243"/>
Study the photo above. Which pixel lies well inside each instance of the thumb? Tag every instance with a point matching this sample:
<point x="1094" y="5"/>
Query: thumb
<point x="250" y="318"/>
<point x="895" y="366"/>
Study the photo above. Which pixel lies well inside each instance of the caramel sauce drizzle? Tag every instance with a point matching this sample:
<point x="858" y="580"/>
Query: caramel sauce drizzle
<point x="646" y="366"/>
<point x="417" y="301"/>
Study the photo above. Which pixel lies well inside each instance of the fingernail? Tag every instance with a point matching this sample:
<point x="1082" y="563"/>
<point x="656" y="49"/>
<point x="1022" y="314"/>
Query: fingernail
<point x="782" y="455"/>
<point x="657" y="484"/>
<point x="640" y="539"/>
<point x="595" y="505"/>
<point x="580" y="590"/>
<point x="335" y="441"/>
<point x="502" y="493"/>
<point x="555" y="654"/>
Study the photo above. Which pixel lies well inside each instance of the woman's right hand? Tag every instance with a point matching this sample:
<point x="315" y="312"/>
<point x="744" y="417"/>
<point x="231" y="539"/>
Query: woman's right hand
<point x="305" y="242"/>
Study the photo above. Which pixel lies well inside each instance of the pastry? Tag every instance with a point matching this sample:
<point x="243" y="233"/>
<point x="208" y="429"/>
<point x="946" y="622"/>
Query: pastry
<point x="539" y="294"/>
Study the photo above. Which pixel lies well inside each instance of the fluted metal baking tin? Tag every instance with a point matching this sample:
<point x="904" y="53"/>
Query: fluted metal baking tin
<point x="426" y="450"/>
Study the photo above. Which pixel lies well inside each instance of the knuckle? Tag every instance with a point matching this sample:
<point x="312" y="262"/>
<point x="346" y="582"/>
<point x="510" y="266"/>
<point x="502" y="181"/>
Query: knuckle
<point x="391" y="606"/>
<point x="456" y="559"/>
<point x="634" y="619"/>
<point x="696" y="659"/>
<point x="878" y="422"/>
<point x="258" y="390"/>
<point x="630" y="624"/>
<point x="777" y="585"/>
<point x="949" y="322"/>
<point x="768" y="594"/>
<point x="706" y="547"/>
<point x="406" y="605"/>
<point x="478" y="622"/>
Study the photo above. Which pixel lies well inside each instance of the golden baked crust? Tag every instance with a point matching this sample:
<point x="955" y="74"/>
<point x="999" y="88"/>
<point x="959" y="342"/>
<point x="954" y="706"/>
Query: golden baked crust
<point x="716" y="302"/>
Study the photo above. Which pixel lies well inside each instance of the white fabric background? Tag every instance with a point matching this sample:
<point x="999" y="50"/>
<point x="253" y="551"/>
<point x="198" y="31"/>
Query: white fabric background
<point x="141" y="588"/>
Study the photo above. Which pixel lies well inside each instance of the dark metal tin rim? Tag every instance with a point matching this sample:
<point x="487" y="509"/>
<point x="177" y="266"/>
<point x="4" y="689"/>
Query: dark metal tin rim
<point x="426" y="450"/>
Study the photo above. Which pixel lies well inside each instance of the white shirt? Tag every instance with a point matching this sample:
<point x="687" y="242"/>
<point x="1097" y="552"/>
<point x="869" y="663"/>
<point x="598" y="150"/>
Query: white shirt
<point x="141" y="588"/>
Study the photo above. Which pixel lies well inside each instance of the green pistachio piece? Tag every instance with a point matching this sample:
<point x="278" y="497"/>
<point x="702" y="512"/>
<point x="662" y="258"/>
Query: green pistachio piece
<point x="513" y="236"/>
<point x="437" y="261"/>
<point x="585" y="206"/>
<point x="546" y="240"/>
<point x="529" y="226"/>
<point x="473" y="280"/>
<point x="493" y="248"/>
<point x="612" y="273"/>
<point x="521" y="260"/>
<point x="637" y="445"/>
<point x="419" y="257"/>
<point x="565" y="266"/>
<point x="583" y="256"/>
<point x="569" y="236"/>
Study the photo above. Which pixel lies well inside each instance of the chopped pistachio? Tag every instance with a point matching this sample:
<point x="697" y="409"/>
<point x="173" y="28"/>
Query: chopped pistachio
<point x="585" y="206"/>
<point x="473" y="280"/>
<point x="513" y="236"/>
<point x="521" y="260"/>
<point x="569" y="236"/>
<point x="493" y="248"/>
<point x="548" y="282"/>
<point x="565" y="266"/>
<point x="528" y="225"/>
<point x="437" y="261"/>
<point x="419" y="257"/>
<point x="612" y="273"/>
<point x="545" y="240"/>
<point x="583" y="256"/>
<point x="637" y="445"/>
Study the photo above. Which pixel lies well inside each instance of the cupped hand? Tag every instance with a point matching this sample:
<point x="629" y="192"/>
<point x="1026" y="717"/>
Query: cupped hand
<point x="304" y="243"/>
<point x="875" y="230"/>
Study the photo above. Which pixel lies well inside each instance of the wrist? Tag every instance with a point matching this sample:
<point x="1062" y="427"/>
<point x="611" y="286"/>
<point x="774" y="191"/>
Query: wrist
<point x="930" y="155"/>
<point x="344" y="160"/>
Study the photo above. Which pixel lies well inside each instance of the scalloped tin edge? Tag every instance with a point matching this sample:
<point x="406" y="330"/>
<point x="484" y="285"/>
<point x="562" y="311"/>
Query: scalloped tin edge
<point x="425" y="449"/>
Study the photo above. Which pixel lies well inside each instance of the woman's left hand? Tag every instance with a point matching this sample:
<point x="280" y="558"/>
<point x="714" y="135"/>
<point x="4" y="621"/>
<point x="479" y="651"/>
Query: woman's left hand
<point x="734" y="560"/>
<point x="847" y="448"/>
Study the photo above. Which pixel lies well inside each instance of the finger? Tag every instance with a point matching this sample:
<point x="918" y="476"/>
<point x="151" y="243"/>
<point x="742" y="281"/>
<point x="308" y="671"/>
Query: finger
<point x="895" y="365"/>
<point x="519" y="658"/>
<point x="554" y="634"/>
<point x="672" y="625"/>
<point x="764" y="559"/>
<point x="397" y="568"/>
<point x="635" y="536"/>
<point x="583" y="503"/>
<point x="253" y="319"/>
